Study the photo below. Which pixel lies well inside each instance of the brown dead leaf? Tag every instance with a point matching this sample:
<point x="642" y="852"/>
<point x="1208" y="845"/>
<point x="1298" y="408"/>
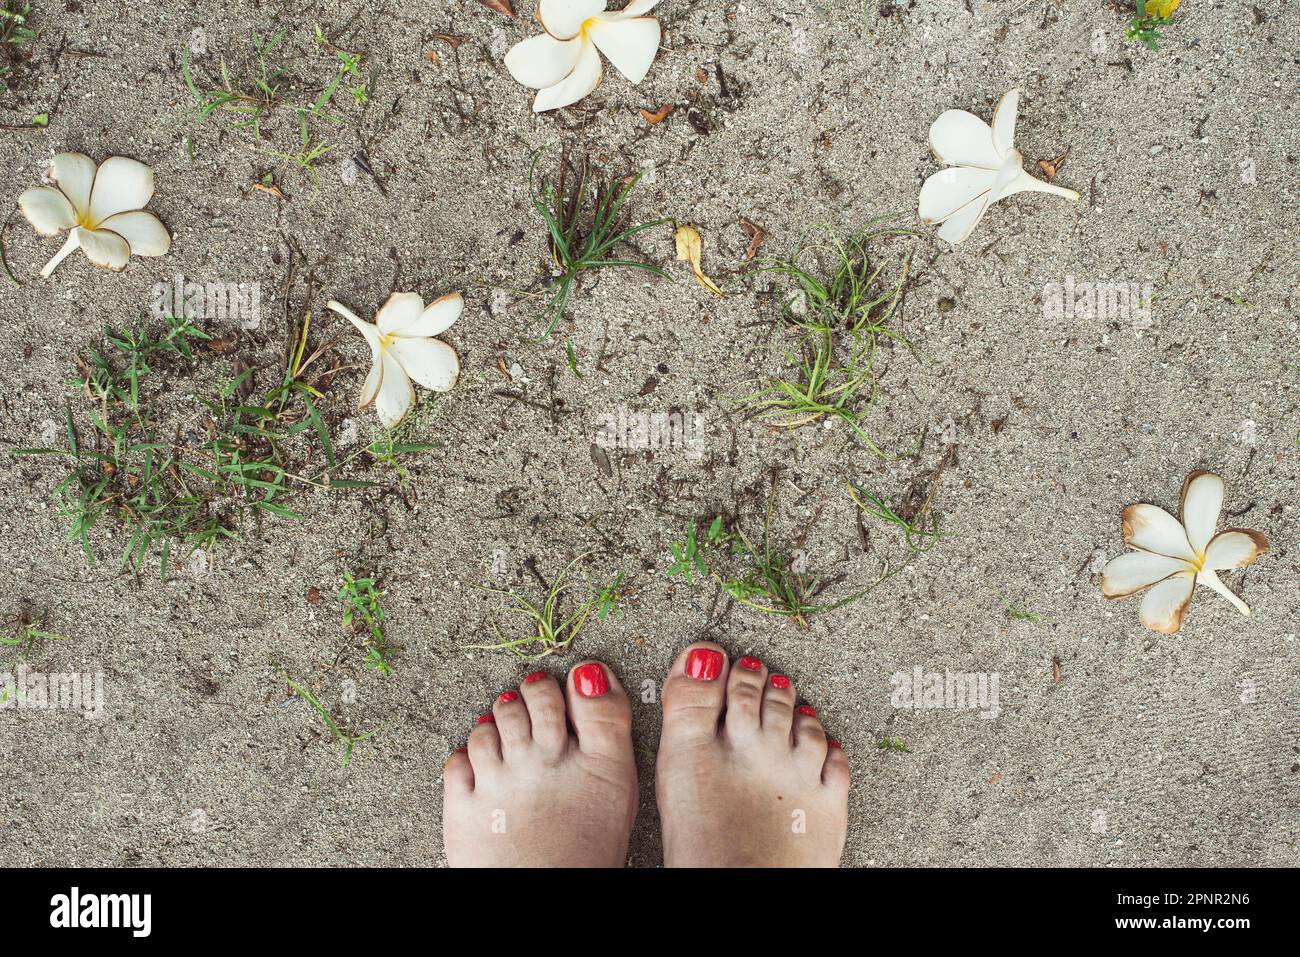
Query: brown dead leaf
<point x="451" y="40"/>
<point x="501" y="367"/>
<point x="313" y="595"/>
<point x="689" y="245"/>
<point x="701" y="75"/>
<point x="658" y="116"/>
<point x="222" y="345"/>
<point x="500" y="6"/>
<point x="1051" y="167"/>
<point x="1056" y="670"/>
<point x="756" y="235"/>
<point x="996" y="778"/>
<point x="269" y="188"/>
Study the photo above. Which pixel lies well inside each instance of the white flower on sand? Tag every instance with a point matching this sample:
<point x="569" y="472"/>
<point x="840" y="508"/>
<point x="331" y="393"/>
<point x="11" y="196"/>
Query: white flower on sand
<point x="402" y="348"/>
<point x="1173" y="556"/>
<point x="102" y="209"/>
<point x="984" y="166"/>
<point x="564" y="62"/>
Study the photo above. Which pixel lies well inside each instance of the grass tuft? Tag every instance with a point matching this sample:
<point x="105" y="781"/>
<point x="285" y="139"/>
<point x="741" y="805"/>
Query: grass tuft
<point x="585" y="220"/>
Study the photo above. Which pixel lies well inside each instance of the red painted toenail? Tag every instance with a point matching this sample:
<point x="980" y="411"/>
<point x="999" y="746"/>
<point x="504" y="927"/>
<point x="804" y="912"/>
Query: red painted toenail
<point x="808" y="710"/>
<point x="780" y="681"/>
<point x="750" y="664"/>
<point x="590" y="680"/>
<point x="508" y="696"/>
<point x="462" y="750"/>
<point x="486" y="719"/>
<point x="704" y="664"/>
<point x="832" y="743"/>
<point x="535" y="676"/>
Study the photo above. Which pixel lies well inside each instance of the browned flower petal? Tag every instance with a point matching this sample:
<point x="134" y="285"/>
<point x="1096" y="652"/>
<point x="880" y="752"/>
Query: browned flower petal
<point x="1235" y="548"/>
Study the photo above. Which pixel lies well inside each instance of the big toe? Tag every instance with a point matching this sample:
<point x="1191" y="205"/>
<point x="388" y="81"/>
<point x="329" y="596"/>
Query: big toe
<point x="599" y="711"/>
<point x="695" y="692"/>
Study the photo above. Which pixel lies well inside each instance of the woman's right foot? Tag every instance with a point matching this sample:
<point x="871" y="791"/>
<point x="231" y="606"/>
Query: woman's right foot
<point x="744" y="778"/>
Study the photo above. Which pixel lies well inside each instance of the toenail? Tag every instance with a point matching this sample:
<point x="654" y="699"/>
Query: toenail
<point x="462" y="750"/>
<point x="750" y="664"/>
<point x="780" y="681"/>
<point x="486" y="719"/>
<point x="832" y="743"/>
<point x="808" y="710"/>
<point x="535" y="676"/>
<point x="704" y="664"/>
<point x="590" y="680"/>
<point x="508" y="696"/>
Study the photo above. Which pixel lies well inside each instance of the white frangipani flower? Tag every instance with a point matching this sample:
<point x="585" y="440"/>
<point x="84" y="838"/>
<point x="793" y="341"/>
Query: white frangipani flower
<point x="984" y="166"/>
<point x="1173" y="556"/>
<point x="564" y="63"/>
<point x="402" y="348"/>
<point x="102" y="209"/>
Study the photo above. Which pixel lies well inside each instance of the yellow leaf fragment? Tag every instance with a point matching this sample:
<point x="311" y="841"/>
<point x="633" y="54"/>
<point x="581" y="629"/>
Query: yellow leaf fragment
<point x="689" y="244"/>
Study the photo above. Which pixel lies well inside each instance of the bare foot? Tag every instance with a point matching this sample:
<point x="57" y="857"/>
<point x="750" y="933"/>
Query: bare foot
<point x="745" y="779"/>
<point x="535" y="790"/>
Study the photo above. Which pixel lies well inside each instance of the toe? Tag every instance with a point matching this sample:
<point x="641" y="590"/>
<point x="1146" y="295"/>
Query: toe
<point x="695" y="692"/>
<point x="599" y="710"/>
<point x="546" y="712"/>
<point x="778" y="706"/>
<point x="809" y="739"/>
<point x="485" y="743"/>
<point x="835" y="772"/>
<point x="458" y="773"/>
<point x="745" y="697"/>
<point x="512" y="723"/>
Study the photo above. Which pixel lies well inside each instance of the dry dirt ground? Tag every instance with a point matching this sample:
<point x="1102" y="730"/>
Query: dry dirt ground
<point x="1133" y="748"/>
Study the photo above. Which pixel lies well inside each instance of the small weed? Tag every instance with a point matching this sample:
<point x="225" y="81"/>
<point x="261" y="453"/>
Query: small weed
<point x="1150" y="15"/>
<point x="363" y="610"/>
<point x="348" y="740"/>
<point x="768" y="580"/>
<point x="894" y="744"/>
<point x="1021" y="612"/>
<point x="585" y="220"/>
<point x="28" y="635"/>
<point x="920" y="532"/>
<point x="14" y="33"/>
<point x="553" y="631"/>
<point x="608" y="597"/>
<point x="259" y="90"/>
<point x="839" y="322"/>
<point x="163" y="488"/>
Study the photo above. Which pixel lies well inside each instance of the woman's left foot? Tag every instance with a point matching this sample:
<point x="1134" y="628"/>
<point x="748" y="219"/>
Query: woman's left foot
<point x="548" y="778"/>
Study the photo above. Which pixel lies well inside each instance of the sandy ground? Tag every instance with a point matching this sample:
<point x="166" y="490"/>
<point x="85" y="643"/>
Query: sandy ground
<point x="1147" y="750"/>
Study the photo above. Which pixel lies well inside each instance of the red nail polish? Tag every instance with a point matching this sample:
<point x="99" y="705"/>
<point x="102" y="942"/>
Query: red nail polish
<point x="462" y="750"/>
<point x="704" y="664"/>
<point x="486" y="719"/>
<point x="780" y="681"/>
<point x="808" y="710"/>
<point x="590" y="680"/>
<point x="750" y="664"/>
<point x="508" y="696"/>
<point x="535" y="676"/>
<point x="832" y="743"/>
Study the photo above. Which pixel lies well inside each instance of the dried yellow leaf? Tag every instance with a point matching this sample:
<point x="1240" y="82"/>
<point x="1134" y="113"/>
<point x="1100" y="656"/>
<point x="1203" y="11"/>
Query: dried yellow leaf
<point x="689" y="245"/>
<point x="1162" y="8"/>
